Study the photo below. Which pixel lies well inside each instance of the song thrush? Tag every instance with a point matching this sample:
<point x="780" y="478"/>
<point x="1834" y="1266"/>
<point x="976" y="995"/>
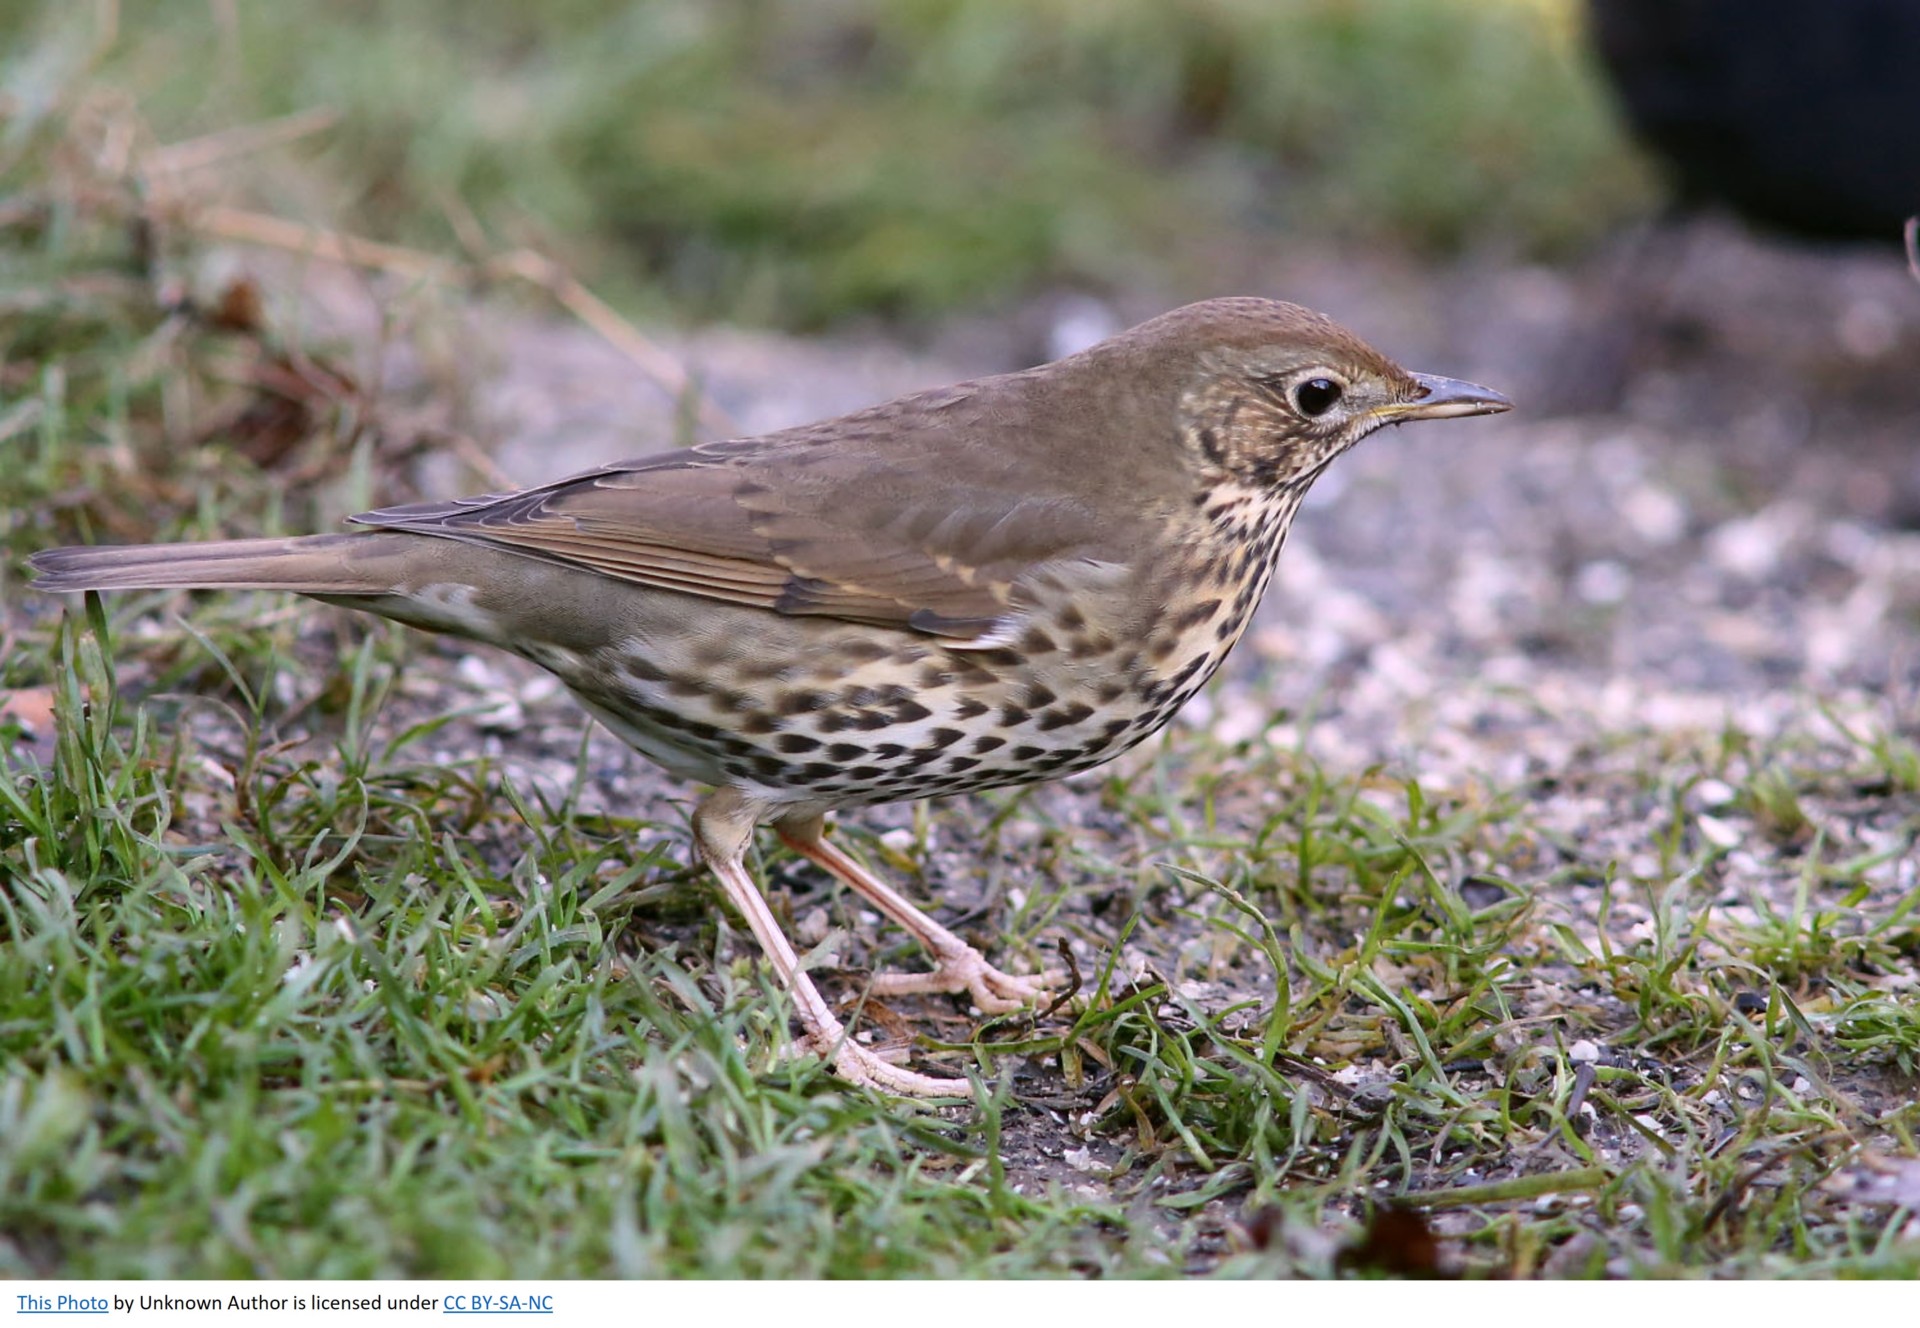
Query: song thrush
<point x="993" y="583"/>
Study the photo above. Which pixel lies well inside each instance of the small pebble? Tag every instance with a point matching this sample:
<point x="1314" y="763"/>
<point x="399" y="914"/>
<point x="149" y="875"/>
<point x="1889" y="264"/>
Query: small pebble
<point x="1719" y="833"/>
<point x="1713" y="793"/>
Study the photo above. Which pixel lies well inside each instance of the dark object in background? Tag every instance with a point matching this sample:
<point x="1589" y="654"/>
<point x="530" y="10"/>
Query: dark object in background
<point x="1799" y="114"/>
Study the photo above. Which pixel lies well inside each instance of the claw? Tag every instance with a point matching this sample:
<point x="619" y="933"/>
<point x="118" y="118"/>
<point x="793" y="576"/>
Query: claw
<point x="966" y="969"/>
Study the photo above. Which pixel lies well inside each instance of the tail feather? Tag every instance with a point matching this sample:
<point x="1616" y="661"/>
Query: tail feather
<point x="311" y="564"/>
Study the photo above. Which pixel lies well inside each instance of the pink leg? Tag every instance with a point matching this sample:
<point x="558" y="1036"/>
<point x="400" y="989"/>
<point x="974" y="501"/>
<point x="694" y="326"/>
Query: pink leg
<point x="722" y="827"/>
<point x="957" y="966"/>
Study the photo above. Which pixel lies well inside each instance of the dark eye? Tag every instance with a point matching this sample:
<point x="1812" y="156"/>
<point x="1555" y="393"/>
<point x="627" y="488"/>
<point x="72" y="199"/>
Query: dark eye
<point x="1316" y="396"/>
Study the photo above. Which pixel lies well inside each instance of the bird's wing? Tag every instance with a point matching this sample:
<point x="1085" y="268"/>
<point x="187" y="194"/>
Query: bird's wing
<point x="798" y="523"/>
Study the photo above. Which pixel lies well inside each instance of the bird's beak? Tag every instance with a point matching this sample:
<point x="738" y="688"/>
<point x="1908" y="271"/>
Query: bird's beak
<point x="1442" y="398"/>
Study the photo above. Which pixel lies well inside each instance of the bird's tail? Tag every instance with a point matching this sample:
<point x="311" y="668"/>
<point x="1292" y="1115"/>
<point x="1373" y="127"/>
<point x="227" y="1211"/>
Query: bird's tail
<point x="311" y="565"/>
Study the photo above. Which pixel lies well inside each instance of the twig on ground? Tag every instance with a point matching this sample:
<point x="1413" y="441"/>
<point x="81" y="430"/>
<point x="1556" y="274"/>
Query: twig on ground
<point x="246" y="227"/>
<point x="195" y="154"/>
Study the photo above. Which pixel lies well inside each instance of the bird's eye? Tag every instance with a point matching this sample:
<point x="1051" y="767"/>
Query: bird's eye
<point x="1317" y="396"/>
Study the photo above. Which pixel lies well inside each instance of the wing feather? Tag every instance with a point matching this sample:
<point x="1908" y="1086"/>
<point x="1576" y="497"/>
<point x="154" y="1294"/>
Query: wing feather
<point x="835" y="520"/>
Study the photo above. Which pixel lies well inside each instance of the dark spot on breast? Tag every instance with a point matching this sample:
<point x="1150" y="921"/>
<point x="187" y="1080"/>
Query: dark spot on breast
<point x="1065" y="716"/>
<point x="1072" y="619"/>
<point x="1035" y="641"/>
<point x="760" y="723"/>
<point x="986" y="742"/>
<point x="1109" y="691"/>
<point x="845" y="751"/>
<point x="909" y="712"/>
<point x="1024" y="752"/>
<point x="941" y="739"/>
<point x="1012" y="716"/>
<point x="1038" y="697"/>
<point x="764" y="670"/>
<point x="801" y="703"/>
<point x="933" y="676"/>
<point x="865" y="772"/>
<point x="969" y="707"/>
<point x="795" y="743"/>
<point x="1195" y="614"/>
<point x="960" y="763"/>
<point x="813" y="772"/>
<point x="679" y="723"/>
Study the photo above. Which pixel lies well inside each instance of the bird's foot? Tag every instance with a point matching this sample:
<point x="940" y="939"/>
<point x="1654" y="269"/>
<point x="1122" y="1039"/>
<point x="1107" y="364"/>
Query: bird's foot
<point x="864" y="1068"/>
<point x="966" y="969"/>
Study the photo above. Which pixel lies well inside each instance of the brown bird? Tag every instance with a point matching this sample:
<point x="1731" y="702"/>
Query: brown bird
<point x="998" y="582"/>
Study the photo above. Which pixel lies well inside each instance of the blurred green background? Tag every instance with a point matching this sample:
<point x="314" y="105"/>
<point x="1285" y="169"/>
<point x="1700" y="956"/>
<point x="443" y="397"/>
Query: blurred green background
<point x="798" y="162"/>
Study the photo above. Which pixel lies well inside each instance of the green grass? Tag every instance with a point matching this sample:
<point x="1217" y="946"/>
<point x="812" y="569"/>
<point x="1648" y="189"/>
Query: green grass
<point x="799" y="163"/>
<point x="340" y="1009"/>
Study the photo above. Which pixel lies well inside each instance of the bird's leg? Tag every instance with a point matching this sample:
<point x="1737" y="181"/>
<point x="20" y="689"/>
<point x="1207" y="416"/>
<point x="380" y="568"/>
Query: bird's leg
<point x="722" y="828"/>
<point x="957" y="966"/>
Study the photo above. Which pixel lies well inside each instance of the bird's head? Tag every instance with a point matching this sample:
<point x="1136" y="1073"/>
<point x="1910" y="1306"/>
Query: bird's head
<point x="1272" y="392"/>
